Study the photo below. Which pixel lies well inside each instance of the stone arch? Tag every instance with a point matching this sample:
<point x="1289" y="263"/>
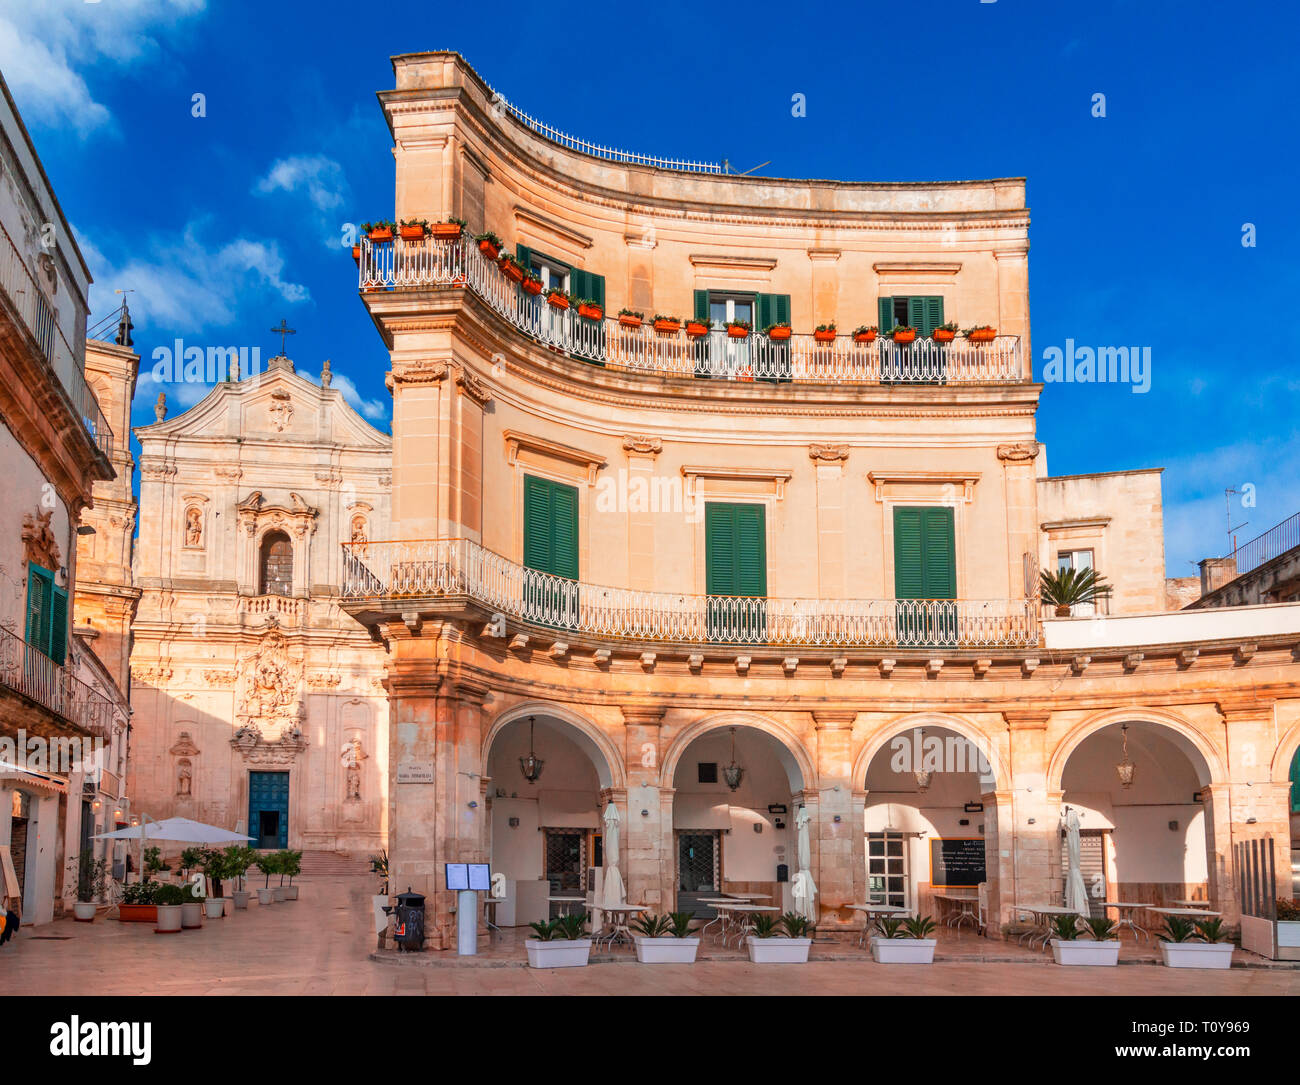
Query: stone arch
<point x="798" y="763"/>
<point x="1203" y="756"/>
<point x="980" y="739"/>
<point x="1280" y="769"/>
<point x="605" y="756"/>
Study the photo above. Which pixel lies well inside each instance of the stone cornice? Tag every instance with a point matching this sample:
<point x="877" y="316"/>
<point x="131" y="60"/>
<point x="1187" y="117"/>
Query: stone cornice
<point x="777" y="476"/>
<point x="515" y="440"/>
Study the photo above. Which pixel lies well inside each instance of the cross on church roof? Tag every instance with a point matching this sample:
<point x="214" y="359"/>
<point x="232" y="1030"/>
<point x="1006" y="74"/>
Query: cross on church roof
<point x="283" y="330"/>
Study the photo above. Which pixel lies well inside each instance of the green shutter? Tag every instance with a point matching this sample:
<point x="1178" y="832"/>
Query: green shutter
<point x="885" y="314"/>
<point x="925" y="313"/>
<point x="587" y="285"/>
<point x="939" y="555"/>
<point x="735" y="545"/>
<point x="551" y="527"/>
<point x="38" y="611"/>
<point x="702" y="305"/>
<point x="1295" y="783"/>
<point x="58" y="650"/>
<point x="933" y="314"/>
<point x="771" y="309"/>
<point x="909" y="580"/>
<point x="524" y="255"/>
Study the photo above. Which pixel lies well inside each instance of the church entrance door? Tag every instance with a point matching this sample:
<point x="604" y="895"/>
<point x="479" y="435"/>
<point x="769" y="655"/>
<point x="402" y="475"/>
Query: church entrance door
<point x="268" y="809"/>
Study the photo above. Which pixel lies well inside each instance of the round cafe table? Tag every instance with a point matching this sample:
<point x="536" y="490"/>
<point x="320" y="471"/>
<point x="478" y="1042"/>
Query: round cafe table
<point x="747" y="913"/>
<point x="564" y="902"/>
<point x="1126" y="920"/>
<point x="871" y="910"/>
<point x="619" y="917"/>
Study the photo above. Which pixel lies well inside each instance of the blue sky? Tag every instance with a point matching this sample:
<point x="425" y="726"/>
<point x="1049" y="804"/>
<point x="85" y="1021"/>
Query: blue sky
<point x="226" y="223"/>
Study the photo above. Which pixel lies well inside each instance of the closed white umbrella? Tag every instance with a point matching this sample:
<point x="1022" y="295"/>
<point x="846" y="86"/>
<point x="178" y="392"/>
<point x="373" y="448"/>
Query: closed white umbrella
<point x="1076" y="893"/>
<point x="613" y="893"/>
<point x="804" y="889"/>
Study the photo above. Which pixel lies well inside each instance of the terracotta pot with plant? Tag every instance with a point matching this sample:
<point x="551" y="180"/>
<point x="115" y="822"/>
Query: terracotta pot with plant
<point x="449" y="230"/>
<point x="865" y="333"/>
<point x="378" y="231"/>
<point x="531" y="284"/>
<point x="413" y="229"/>
<point x="944" y="333"/>
<point x="824" y="333"/>
<point x="489" y="245"/>
<point x="738" y="329"/>
<point x="778" y="332"/>
<point x="697" y="328"/>
<point x="630" y="318"/>
<point x="902" y="334"/>
<point x="590" y="310"/>
<point x="511" y="268"/>
<point x="981" y="333"/>
<point x="666" y="325"/>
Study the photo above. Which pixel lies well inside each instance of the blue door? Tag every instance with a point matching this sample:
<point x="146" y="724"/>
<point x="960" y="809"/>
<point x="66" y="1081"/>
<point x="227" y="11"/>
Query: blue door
<point x="268" y="809"/>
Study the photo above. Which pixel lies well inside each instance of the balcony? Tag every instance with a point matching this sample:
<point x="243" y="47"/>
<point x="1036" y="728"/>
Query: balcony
<point x="380" y="575"/>
<point x="426" y="263"/>
<point x="32" y="674"/>
<point x="37" y="318"/>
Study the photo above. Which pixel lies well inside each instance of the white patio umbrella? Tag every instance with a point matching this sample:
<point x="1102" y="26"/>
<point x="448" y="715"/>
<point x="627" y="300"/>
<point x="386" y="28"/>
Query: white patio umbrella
<point x="1076" y="893"/>
<point x="613" y="892"/>
<point x="803" y="888"/>
<point x="173" y="830"/>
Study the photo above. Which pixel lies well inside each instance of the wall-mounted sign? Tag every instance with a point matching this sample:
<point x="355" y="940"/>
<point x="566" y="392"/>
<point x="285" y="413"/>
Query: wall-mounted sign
<point x="475" y="876"/>
<point x="973" y="807"/>
<point x="956" y="863"/>
<point x="776" y="808"/>
<point x="415" y="772"/>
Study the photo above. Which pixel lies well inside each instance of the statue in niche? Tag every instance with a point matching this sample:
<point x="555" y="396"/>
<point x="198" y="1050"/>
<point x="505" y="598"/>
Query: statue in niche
<point x="359" y="531"/>
<point x="184" y="778"/>
<point x="193" y="527"/>
<point x="352" y="756"/>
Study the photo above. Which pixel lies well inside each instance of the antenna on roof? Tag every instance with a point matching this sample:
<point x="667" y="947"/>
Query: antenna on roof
<point x="1227" y="507"/>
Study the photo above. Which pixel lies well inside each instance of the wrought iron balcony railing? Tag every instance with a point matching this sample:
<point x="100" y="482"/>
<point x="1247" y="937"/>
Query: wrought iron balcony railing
<point x="381" y="572"/>
<point x="428" y="262"/>
<point x="1276" y="541"/>
<point x="29" y="671"/>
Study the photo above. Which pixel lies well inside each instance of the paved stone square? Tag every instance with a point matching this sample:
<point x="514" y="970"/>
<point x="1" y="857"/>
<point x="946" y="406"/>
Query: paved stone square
<point x="322" y="945"/>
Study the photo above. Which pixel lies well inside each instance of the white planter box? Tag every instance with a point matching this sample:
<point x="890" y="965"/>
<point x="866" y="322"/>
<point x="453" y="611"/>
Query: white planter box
<point x="778" y="950"/>
<point x="666" y="950"/>
<point x="1288" y="939"/>
<point x="1197" y="954"/>
<point x="290" y="892"/>
<point x="1084" y="952"/>
<point x="903" y="950"/>
<point x="562" y="953"/>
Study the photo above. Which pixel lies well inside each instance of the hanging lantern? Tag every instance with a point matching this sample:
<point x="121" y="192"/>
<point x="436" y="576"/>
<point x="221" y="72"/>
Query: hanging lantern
<point x="923" y="776"/>
<point x="1125" y="769"/>
<point x="733" y="773"/>
<point x="531" y="766"/>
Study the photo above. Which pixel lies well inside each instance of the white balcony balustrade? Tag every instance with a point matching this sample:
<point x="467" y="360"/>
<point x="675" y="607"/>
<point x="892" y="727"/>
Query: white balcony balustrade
<point x="383" y="573"/>
<point x="30" y="672"/>
<point x="400" y="264"/>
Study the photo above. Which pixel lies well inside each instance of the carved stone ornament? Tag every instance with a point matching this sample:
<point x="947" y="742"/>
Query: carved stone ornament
<point x="256" y="750"/>
<point x="828" y="453"/>
<point x="281" y="411"/>
<point x="268" y="688"/>
<point x="645" y="446"/>
<point x="1021" y="452"/>
<point x="255" y="513"/>
<point x="39" y="542"/>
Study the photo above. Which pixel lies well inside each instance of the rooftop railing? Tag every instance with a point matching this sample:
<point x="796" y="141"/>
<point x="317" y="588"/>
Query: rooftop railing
<point x="18" y="283"/>
<point x="380" y="572"/>
<point x="1276" y="541"/>
<point x="29" y="671"/>
<point x="400" y="264"/>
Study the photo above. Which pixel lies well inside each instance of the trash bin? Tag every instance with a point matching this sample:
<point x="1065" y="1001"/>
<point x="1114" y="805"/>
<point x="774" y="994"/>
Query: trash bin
<point x="408" y="931"/>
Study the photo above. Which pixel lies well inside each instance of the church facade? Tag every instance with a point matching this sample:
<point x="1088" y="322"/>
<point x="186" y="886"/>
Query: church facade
<point x="258" y="702"/>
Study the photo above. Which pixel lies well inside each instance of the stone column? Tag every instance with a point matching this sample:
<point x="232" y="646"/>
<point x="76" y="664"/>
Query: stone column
<point x="1031" y="829"/>
<point x="829" y="461"/>
<point x="999" y="857"/>
<point x="839" y="842"/>
<point x="648" y="836"/>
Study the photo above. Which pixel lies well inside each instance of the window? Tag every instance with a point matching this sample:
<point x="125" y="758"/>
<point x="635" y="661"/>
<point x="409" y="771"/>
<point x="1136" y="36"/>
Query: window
<point x="923" y="312"/>
<point x="925" y="570"/>
<point x="718" y="355"/>
<point x="276" y="565"/>
<point x="735" y="549"/>
<point x="1080" y="560"/>
<point x="47" y="613"/>
<point x="550" y="546"/>
<point x="886" y="869"/>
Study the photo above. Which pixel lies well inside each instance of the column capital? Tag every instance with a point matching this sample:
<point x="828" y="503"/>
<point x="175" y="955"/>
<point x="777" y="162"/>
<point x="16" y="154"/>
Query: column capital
<point x="1244" y="708"/>
<point x="643" y="715"/>
<point x="834" y="721"/>
<point x="1026" y="719"/>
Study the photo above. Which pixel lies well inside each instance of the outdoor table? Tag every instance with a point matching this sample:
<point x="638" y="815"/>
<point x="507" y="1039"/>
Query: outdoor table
<point x="963" y="901"/>
<point x="619" y="916"/>
<point x="750" y="897"/>
<point x="1123" y="920"/>
<point x="1204" y="913"/>
<point x="747" y="912"/>
<point x="873" y="910"/>
<point x="1189" y="903"/>
<point x="713" y="903"/>
<point x="490" y="912"/>
<point x="1042" y="914"/>
<point x="724" y="908"/>
<point x="564" y="902"/>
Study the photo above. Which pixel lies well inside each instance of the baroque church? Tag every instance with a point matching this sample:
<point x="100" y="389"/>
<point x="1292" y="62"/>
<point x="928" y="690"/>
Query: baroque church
<point x="258" y="703"/>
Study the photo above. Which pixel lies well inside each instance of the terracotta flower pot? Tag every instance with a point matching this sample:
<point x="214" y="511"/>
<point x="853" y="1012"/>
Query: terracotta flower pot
<point x="532" y="286"/>
<point x="905" y="337"/>
<point x="667" y="327"/>
<point x="1062" y="612"/>
<point x="983" y="335"/>
<point x="942" y="335"/>
<point x="591" y="312"/>
<point x="777" y="334"/>
<point x="512" y="271"/>
<point x="356" y="253"/>
<point x="629" y="321"/>
<point x="138" y="913"/>
<point x="696" y="328"/>
<point x="489" y="250"/>
<point x="557" y="299"/>
<point x="864" y="337"/>
<point x="824" y="336"/>
<point x="735" y="331"/>
<point x="381" y="235"/>
<point x="445" y="231"/>
<point x="411" y="233"/>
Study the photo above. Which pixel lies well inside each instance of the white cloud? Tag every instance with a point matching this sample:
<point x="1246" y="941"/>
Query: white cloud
<point x="321" y="177"/>
<point x="373" y="409"/>
<point x="47" y="45"/>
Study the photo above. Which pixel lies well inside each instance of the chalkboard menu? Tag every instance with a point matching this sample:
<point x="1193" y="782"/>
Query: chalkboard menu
<point x="957" y="863"/>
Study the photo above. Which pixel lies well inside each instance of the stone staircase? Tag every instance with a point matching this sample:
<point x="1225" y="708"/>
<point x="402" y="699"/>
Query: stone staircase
<point x="333" y="864"/>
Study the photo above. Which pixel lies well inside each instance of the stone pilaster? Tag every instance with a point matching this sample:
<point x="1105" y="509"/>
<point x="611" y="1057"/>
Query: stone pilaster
<point x="1031" y="827"/>
<point x="647" y="809"/>
<point x="839" y="842"/>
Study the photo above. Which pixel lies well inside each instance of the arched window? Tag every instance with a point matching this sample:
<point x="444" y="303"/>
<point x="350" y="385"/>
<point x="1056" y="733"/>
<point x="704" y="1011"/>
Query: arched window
<point x="276" y="566"/>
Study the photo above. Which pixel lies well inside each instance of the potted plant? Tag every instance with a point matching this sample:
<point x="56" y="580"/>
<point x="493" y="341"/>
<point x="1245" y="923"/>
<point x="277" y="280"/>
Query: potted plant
<point x="489" y="245"/>
<point x="630" y="318"/>
<point x="170" y="900"/>
<point x="213" y="863"/>
<point x="901" y="333"/>
<point x="778" y="332"/>
<point x="139" y="903"/>
<point x="511" y="268"/>
<point x="92" y="879"/>
<point x="590" y="309"/>
<point x="780" y="941"/>
<point x="1203" y="945"/>
<point x="865" y="333"/>
<point x="153" y="863"/>
<point x="904" y="941"/>
<point x="290" y="867"/>
<point x="738" y="329"/>
<point x="1067" y="588"/>
<point x="666" y="325"/>
<point x="944" y="333"/>
<point x="413" y="229"/>
<point x="558" y="299"/>
<point x="449" y="230"/>
<point x="697" y="328"/>
<point x="379" y="865"/>
<point x="531" y="284"/>
<point x="267" y="864"/>
<point x="239" y="858"/>
<point x="1287" y="936"/>
<point x="824" y="333"/>
<point x="356" y="254"/>
<point x="1102" y="949"/>
<point x="380" y="231"/>
<point x="193" y="905"/>
<point x="665" y="939"/>
<point x="981" y="333"/>
<point x="560" y="943"/>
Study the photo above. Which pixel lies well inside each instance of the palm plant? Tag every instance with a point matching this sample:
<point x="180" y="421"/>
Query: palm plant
<point x="890" y="928"/>
<point x="680" y="923"/>
<point x="545" y="929"/>
<point x="919" y="926"/>
<point x="1067" y="588"/>
<point x="1100" y="927"/>
<point x="764" y="926"/>
<point x="796" y="925"/>
<point x="1211" y="930"/>
<point x="1177" y="929"/>
<point x="1065" y="927"/>
<point x="571" y="926"/>
<point x="651" y="925"/>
